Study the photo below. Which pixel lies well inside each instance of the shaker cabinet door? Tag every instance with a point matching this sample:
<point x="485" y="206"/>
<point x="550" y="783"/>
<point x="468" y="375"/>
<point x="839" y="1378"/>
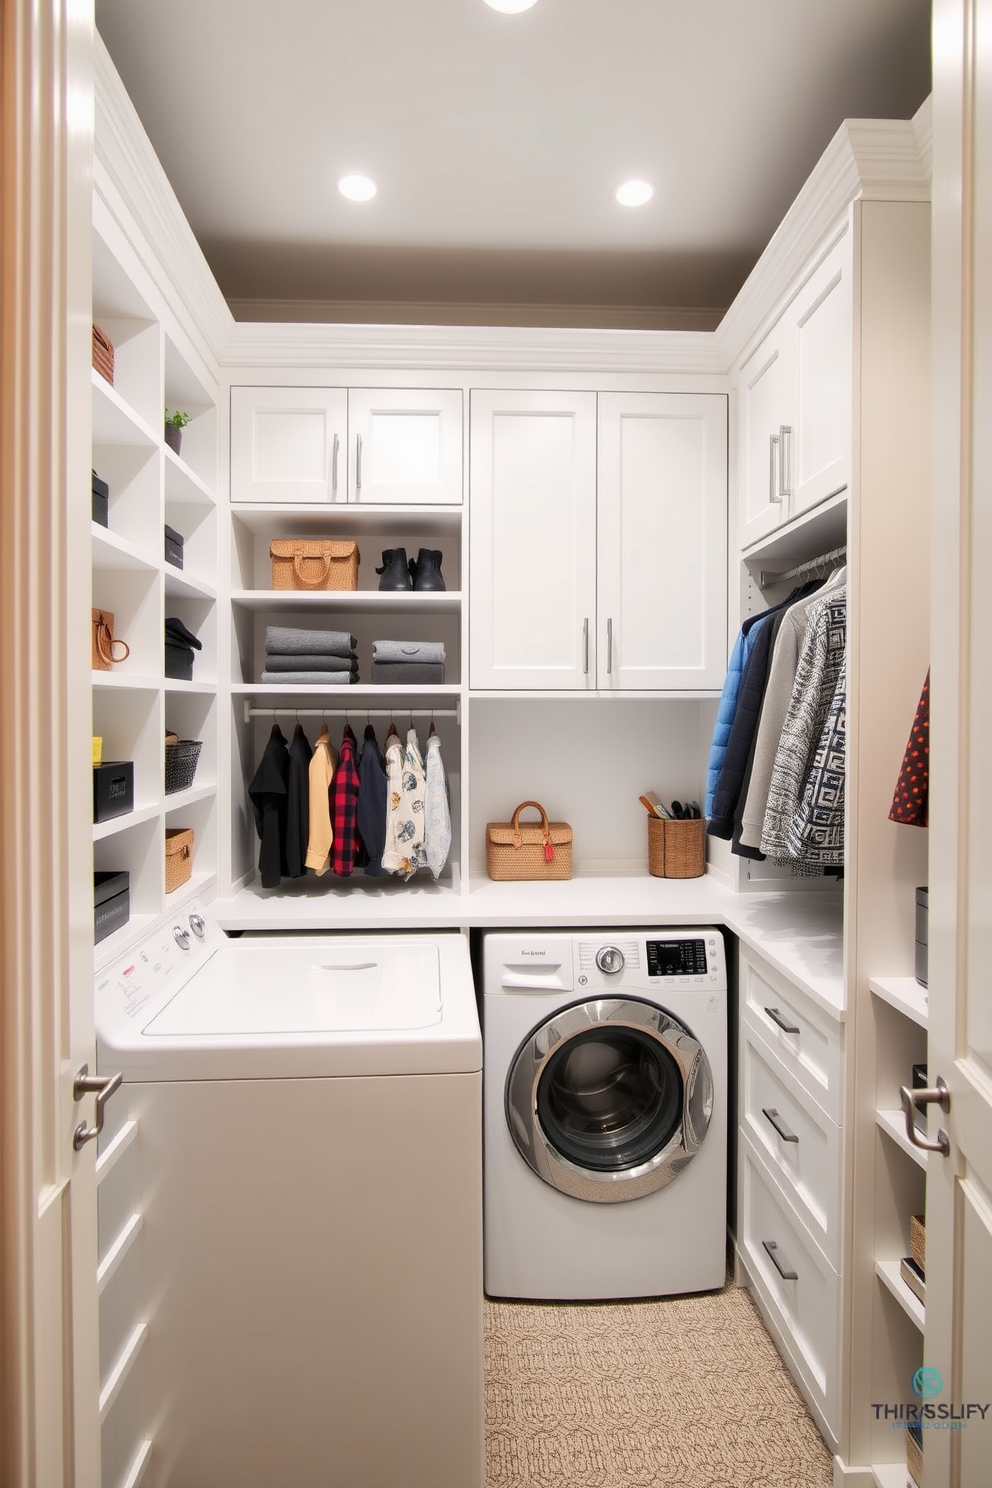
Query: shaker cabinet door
<point x="822" y="318"/>
<point x="406" y="446"/>
<point x="766" y="435"/>
<point x="533" y="540"/>
<point x="289" y="444"/>
<point x="662" y="537"/>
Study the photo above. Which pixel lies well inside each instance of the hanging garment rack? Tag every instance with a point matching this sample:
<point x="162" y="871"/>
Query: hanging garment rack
<point x="356" y="711"/>
<point x="803" y="570"/>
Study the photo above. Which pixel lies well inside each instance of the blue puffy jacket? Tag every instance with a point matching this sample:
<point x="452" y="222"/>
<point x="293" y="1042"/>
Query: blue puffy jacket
<point x="727" y="712"/>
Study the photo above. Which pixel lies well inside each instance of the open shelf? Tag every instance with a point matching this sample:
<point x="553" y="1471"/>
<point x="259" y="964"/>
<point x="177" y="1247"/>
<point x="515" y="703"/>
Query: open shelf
<point x="890" y="1474"/>
<point x="121" y="823"/>
<point x="180" y="585"/>
<point x="888" y="1273"/>
<point x="812" y="532"/>
<point x="364" y="600"/>
<point x="197" y="883"/>
<point x="893" y="1124"/>
<point x="110" y="550"/>
<point x="183" y="484"/>
<point x="905" y="994"/>
<point x="114" y="421"/>
<point x="176" y="800"/>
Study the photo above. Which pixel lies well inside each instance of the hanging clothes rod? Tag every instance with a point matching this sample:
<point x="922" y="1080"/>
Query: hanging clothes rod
<point x="802" y="570"/>
<point x="357" y="710"/>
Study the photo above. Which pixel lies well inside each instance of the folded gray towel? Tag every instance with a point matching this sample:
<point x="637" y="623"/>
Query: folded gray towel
<point x="285" y="640"/>
<point x="311" y="663"/>
<point x="404" y="651"/>
<point x="407" y="674"/>
<point x="312" y="679"/>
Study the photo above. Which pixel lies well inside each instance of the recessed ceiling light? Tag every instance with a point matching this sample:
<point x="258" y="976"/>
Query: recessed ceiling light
<point x="357" y="188"/>
<point x="510" y="7"/>
<point x="634" y="193"/>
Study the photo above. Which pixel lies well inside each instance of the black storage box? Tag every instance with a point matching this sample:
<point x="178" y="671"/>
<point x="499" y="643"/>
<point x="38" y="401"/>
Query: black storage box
<point x="922" y="934"/>
<point x="113" y="789"/>
<point x="173" y="546"/>
<point x="101" y="501"/>
<point x="111" y="903"/>
<point x="178" y="662"/>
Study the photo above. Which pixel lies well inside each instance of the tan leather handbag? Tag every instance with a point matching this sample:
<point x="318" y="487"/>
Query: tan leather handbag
<point x="104" y="642"/>
<point x="528" y="850"/>
<point x="314" y="563"/>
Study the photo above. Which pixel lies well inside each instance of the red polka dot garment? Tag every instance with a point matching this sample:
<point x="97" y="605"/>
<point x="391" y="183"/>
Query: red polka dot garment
<point x="909" y="804"/>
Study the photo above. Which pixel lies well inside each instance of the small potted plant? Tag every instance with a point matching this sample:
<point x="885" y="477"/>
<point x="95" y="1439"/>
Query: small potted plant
<point x="175" y="423"/>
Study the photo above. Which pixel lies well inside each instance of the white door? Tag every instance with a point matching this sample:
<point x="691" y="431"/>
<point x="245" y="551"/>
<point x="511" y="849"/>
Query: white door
<point x="817" y="454"/>
<point x="959" y="1185"/>
<point x="662" y="526"/>
<point x="406" y="446"/>
<point x="49" y="1404"/>
<point x="532" y="617"/>
<point x="765" y="402"/>
<point x="289" y="444"/>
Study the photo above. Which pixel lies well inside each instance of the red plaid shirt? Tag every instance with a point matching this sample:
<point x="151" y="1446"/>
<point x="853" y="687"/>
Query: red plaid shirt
<point x="343" y="800"/>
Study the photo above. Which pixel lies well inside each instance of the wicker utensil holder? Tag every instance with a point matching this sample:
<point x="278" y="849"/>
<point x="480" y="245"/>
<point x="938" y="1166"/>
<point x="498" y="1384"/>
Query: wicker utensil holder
<point x="314" y="563"/>
<point x="178" y="856"/>
<point x="918" y="1240"/>
<point x="676" y="849"/>
<point x="103" y="354"/>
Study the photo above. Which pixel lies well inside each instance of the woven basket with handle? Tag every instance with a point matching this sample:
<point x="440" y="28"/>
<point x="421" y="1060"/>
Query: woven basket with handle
<point x="528" y="850"/>
<point x="178" y="856"/>
<point x="314" y="563"/>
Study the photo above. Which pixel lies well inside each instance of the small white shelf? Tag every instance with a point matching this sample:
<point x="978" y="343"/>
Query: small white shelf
<point x="183" y="485"/>
<point x="889" y="1275"/>
<point x="365" y="692"/>
<point x="822" y="528"/>
<point x="357" y="600"/>
<point x="114" y="421"/>
<point x="890" y="1474"/>
<point x="197" y="883"/>
<point x="127" y="819"/>
<point x="893" y="1124"/>
<point x="115" y="945"/>
<point x="176" y="800"/>
<point x="905" y="994"/>
<point x="110" y="550"/>
<point x="176" y="684"/>
<point x="126" y="680"/>
<point x="181" y="585"/>
<point x="627" y="695"/>
<point x="285" y="519"/>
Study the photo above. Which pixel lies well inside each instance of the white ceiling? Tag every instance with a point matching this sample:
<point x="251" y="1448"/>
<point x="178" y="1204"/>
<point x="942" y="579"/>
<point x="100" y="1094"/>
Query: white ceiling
<point x="497" y="141"/>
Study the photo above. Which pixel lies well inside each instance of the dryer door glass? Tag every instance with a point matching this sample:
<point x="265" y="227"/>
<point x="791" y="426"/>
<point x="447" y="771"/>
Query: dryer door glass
<point x="610" y="1098"/>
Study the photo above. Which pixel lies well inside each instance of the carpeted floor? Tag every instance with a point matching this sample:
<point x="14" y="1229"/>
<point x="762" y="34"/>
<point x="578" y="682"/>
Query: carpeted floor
<point x="684" y="1393"/>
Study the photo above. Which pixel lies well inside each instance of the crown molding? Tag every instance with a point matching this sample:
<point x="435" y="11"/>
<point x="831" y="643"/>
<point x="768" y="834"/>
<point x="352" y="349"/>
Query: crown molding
<point x="146" y="207"/>
<point x="868" y="160"/>
<point x="475" y="313"/>
<point x="472" y="348"/>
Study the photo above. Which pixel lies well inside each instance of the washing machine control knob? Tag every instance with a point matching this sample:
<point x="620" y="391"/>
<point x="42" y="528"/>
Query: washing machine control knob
<point x="181" y="937"/>
<point x="609" y="959"/>
<point x="197" y="926"/>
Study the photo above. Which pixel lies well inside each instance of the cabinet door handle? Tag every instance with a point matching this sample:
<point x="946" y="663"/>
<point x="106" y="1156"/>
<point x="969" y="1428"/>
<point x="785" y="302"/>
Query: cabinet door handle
<point x="103" y="1087"/>
<point x="358" y="462"/>
<point x="938" y="1095"/>
<point x="771" y="1114"/>
<point x="785" y="462"/>
<point x="774" y="495"/>
<point x="609" y="646"/>
<point x="781" y="1266"/>
<point x="334" y="467"/>
<point x="776" y="1017"/>
<point x="585" y="646"/>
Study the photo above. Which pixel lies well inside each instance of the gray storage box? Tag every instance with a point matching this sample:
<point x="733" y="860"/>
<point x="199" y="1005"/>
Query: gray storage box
<point x="922" y="934"/>
<point x="407" y="674"/>
<point x="173" y="546"/>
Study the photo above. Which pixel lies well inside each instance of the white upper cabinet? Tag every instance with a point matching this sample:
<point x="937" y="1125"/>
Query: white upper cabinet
<point x="533" y="540"/>
<point x="289" y="444"/>
<point x="405" y="446"/>
<point x="795" y="396"/>
<point x="386" y="446"/>
<point x="662" y="539"/>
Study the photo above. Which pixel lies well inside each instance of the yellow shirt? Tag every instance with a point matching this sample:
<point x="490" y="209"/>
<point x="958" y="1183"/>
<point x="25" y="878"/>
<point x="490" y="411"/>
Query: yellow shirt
<point x="321" y="773"/>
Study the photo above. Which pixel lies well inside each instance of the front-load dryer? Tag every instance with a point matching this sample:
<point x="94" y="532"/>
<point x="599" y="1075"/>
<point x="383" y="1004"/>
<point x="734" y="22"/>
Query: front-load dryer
<point x="605" y="1113"/>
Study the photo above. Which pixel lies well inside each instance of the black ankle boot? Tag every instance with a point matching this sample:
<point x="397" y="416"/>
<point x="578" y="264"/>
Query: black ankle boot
<point x="426" y="571"/>
<point x="395" y="574"/>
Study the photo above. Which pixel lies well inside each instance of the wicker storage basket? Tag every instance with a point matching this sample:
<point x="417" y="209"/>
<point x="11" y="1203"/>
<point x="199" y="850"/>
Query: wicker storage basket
<point x="918" y="1240"/>
<point x="676" y="849"/>
<point x="914" y="1458"/>
<point x="180" y="764"/>
<point x="103" y="354"/>
<point x="517" y="850"/>
<point x="178" y="856"/>
<point x="314" y="563"/>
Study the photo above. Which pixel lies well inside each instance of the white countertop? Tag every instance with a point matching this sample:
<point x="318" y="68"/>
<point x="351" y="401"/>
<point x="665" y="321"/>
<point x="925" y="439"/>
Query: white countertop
<point x="799" y="932"/>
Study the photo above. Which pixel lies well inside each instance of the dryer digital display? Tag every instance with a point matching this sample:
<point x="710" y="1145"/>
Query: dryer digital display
<point x="676" y="958"/>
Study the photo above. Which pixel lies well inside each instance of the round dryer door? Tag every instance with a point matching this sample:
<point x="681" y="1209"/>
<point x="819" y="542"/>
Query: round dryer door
<point x="609" y="1099"/>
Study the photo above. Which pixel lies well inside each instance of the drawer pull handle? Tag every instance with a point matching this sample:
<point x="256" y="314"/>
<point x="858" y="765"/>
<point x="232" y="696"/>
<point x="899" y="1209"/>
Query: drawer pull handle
<point x="776" y="1017"/>
<point x="939" y="1095"/>
<point x="771" y="1114"/>
<point x="782" y="1267"/>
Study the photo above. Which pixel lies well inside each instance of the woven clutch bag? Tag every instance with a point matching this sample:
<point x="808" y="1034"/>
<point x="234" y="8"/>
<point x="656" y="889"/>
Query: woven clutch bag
<point x="313" y="563"/>
<point x="528" y="850"/>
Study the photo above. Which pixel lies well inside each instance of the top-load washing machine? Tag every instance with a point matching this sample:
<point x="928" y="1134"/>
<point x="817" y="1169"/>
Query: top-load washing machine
<point x="290" y="1211"/>
<point x="605" y="1097"/>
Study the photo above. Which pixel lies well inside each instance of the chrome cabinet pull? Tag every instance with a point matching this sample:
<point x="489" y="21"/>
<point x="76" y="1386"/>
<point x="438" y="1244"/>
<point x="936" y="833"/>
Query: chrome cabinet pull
<point x="585" y="646"/>
<point x="774" y="496"/>
<point x="358" y="462"/>
<point x="781" y="1266"/>
<point x="771" y="1114"/>
<point x="776" y="1017"/>
<point x="785" y="462"/>
<point x="334" y="467"/>
<point x="103" y="1087"/>
<point x="937" y="1095"/>
<point x="609" y="647"/>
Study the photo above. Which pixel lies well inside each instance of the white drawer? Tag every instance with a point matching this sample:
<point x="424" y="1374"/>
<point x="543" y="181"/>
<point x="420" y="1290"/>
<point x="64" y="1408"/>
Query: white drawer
<point x="804" y="1304"/>
<point x="806" y="1040"/>
<point x="796" y="1138"/>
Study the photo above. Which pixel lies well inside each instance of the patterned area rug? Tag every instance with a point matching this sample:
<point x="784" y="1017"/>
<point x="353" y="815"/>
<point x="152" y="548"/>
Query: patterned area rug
<point x="684" y="1393"/>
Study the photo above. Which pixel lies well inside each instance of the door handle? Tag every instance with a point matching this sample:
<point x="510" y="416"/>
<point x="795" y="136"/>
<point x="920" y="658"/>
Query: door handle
<point x="781" y="1266"/>
<point x="777" y="1018"/>
<point x="771" y="1114"/>
<point x="609" y="646"/>
<point x="358" y="463"/>
<point x="103" y="1087"/>
<point x="937" y="1095"/>
<point x="785" y="462"/>
<point x="585" y="646"/>
<point x="774" y="496"/>
<point x="334" y="467"/>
